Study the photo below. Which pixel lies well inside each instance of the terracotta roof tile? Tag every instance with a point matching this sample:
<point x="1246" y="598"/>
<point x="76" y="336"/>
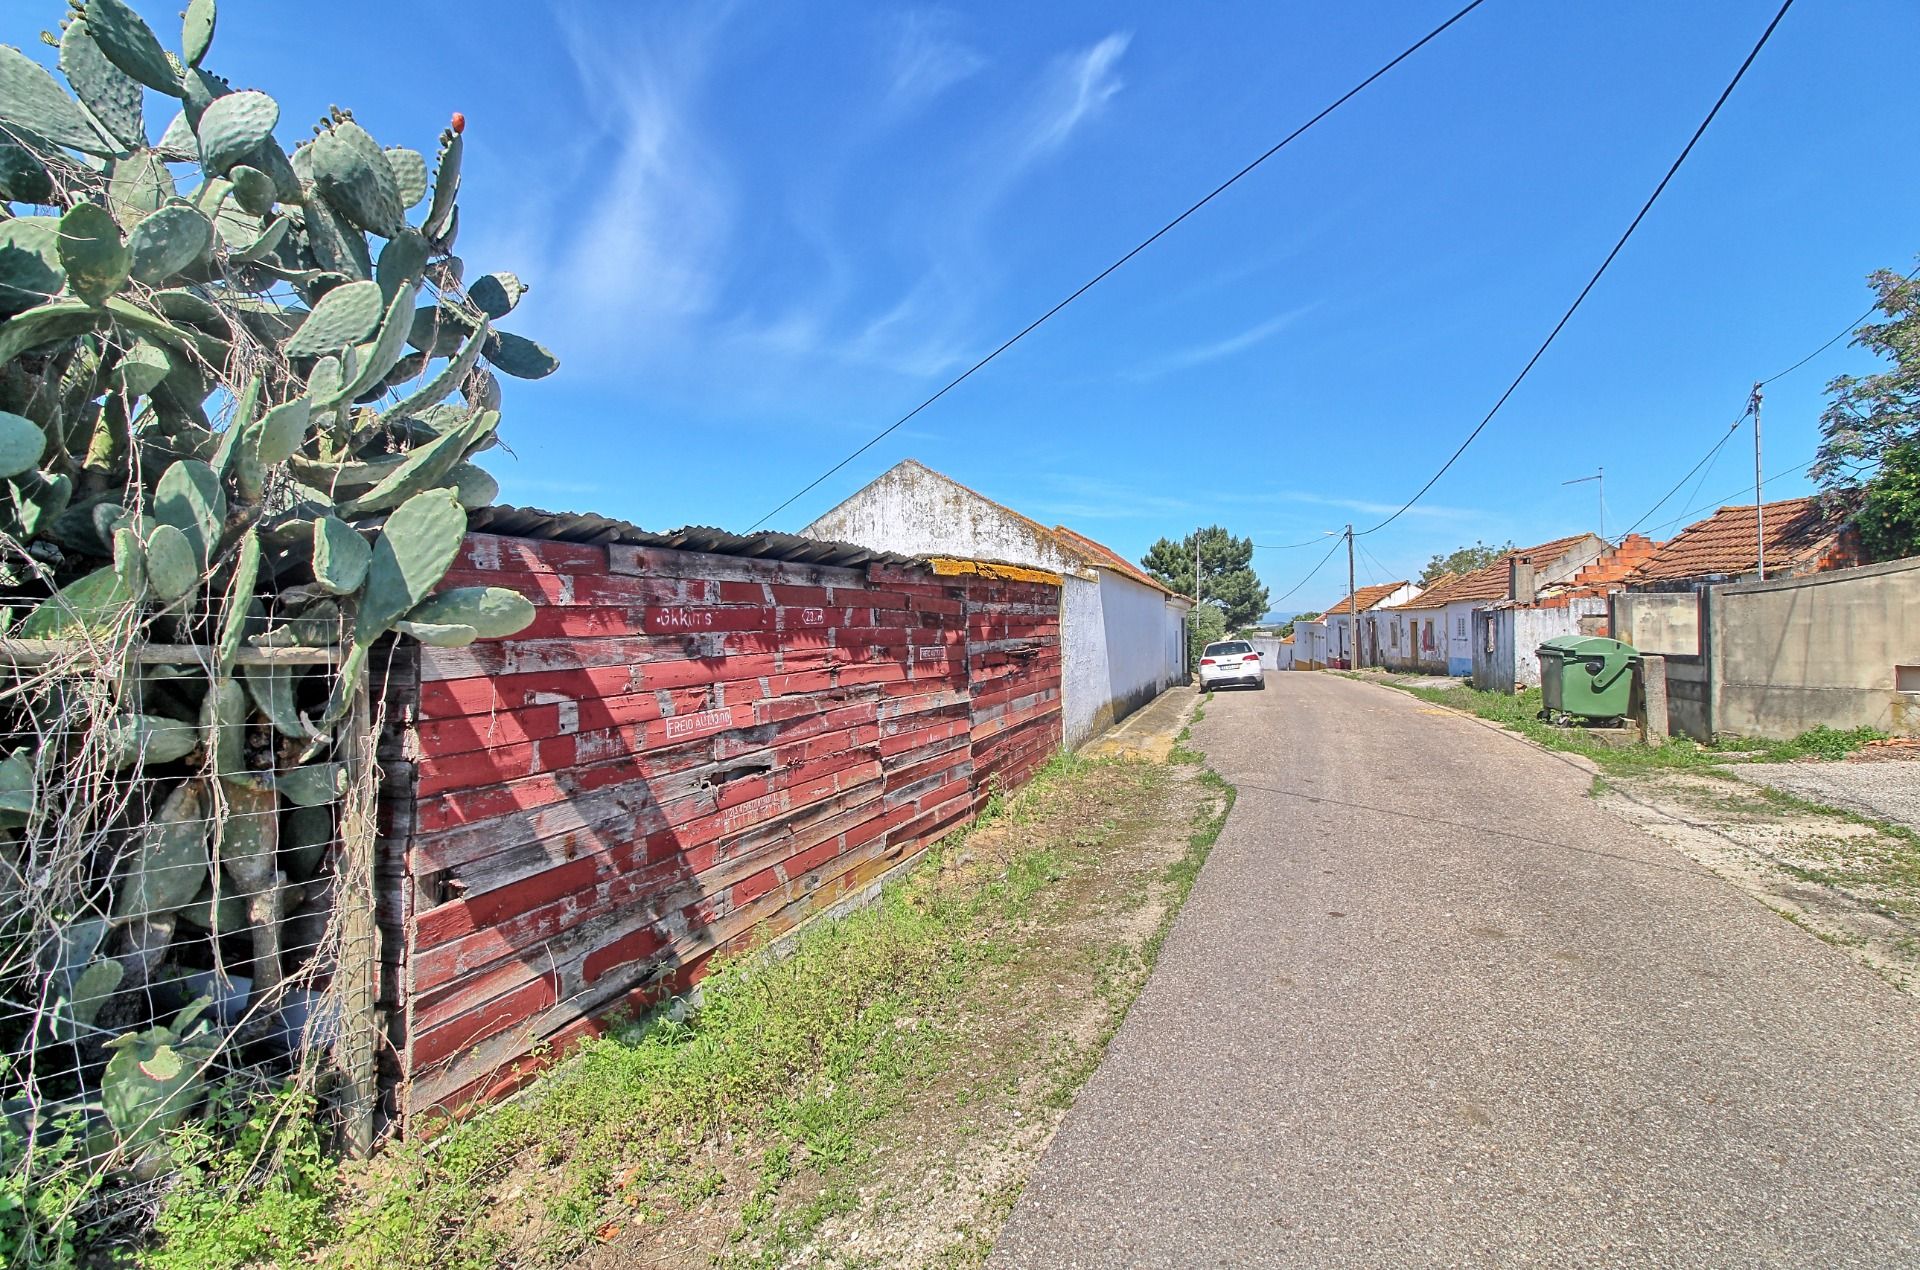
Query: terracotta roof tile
<point x="1723" y="545"/>
<point x="1368" y="596"/>
<point x="1101" y="554"/>
<point x="1490" y="583"/>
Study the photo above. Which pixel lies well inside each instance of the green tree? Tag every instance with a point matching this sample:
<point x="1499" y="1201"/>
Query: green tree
<point x="1227" y="579"/>
<point x="1889" y="516"/>
<point x="1870" y="430"/>
<point x="1287" y="629"/>
<point x="1463" y="561"/>
<point x="1205" y="623"/>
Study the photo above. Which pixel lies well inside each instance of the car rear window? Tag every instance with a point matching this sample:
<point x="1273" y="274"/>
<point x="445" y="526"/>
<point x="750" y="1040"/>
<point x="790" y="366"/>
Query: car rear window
<point x="1228" y="649"/>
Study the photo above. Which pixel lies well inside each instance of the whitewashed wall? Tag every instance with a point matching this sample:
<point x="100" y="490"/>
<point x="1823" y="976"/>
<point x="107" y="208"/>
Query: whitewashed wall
<point x="1124" y="646"/>
<point x="1514" y="664"/>
<point x="916" y="511"/>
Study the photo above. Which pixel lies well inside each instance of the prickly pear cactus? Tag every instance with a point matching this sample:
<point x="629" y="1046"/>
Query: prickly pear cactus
<point x="242" y="390"/>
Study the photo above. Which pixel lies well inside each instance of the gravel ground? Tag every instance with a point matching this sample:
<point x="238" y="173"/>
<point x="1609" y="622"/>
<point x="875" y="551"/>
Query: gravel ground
<point x="1429" y="1004"/>
<point x="1888" y="791"/>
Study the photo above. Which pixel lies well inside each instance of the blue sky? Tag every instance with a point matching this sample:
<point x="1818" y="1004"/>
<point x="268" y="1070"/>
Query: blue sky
<point x="756" y="234"/>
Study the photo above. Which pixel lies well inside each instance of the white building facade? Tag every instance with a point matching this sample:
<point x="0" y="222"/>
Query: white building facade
<point x="1122" y="634"/>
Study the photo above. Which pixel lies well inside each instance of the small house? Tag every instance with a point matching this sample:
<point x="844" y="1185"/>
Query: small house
<point x="1123" y="634"/>
<point x="1339" y="619"/>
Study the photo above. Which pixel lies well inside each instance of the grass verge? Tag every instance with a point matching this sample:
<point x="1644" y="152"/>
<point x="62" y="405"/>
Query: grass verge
<point x="771" y="1122"/>
<point x="1520" y="713"/>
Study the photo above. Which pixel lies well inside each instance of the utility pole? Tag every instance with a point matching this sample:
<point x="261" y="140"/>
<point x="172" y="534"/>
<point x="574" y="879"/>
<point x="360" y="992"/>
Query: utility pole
<point x="1196" y="568"/>
<point x="1353" y="608"/>
<point x="1759" y="495"/>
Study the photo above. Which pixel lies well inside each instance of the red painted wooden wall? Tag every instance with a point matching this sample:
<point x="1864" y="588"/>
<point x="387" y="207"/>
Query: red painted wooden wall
<point x="684" y="753"/>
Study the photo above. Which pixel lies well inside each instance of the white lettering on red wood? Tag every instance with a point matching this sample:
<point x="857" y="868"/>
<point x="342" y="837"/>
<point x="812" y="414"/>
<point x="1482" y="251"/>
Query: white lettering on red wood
<point x="813" y="617"/>
<point x="683" y="619"/>
<point x="685" y="725"/>
<point x="748" y="812"/>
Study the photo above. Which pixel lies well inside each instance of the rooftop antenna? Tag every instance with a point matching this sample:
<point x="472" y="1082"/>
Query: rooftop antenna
<point x="1601" y="476"/>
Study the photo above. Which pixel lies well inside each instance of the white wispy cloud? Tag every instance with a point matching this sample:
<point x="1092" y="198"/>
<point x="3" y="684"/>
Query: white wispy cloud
<point x="648" y="229"/>
<point x="924" y="58"/>
<point x="1215" y="350"/>
<point x="1079" y="86"/>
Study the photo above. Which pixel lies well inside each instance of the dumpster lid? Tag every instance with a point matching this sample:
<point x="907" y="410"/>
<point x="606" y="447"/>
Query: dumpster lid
<point x="1587" y="646"/>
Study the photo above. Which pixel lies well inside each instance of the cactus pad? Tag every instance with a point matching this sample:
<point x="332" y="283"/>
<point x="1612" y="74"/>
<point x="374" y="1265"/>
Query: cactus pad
<point x="253" y="189"/>
<point x="496" y="293"/>
<point x="169" y="862"/>
<point x="173" y="567"/>
<point x="314" y="785"/>
<point x="250" y="835"/>
<point x="494" y="612"/>
<point x="520" y="357"/>
<point x="140" y="186"/>
<point x="130" y="45"/>
<point x="23" y="178"/>
<point x="92" y="252"/>
<point x="33" y="100"/>
<point x="168" y="241"/>
<point x="474" y="486"/>
<point x="412" y="554"/>
<point x="233" y="126"/>
<point x="345" y="316"/>
<point x="196" y="30"/>
<point x="281" y="430"/>
<point x="30" y="270"/>
<point x="148" y="738"/>
<point x="409" y="175"/>
<point x="340" y="556"/>
<point x="189" y="498"/>
<point x="21" y="444"/>
<point x="115" y="100"/>
<point x="353" y="173"/>
<point x="95" y="602"/>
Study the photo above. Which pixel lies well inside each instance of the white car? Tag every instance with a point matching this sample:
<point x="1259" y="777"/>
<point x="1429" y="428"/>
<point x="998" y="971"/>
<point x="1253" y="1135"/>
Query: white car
<point x="1230" y="661"/>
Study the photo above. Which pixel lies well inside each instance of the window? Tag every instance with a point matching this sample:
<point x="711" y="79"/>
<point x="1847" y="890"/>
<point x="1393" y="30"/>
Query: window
<point x="1489" y="620"/>
<point x="1460" y="627"/>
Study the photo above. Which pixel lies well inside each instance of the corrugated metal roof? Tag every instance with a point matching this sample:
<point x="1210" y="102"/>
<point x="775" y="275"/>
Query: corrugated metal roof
<point x="530" y="522"/>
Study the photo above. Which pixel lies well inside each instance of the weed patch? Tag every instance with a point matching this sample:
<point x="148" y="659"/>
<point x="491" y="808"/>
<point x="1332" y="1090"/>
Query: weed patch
<point x="1520" y="713"/>
<point x="767" y="1121"/>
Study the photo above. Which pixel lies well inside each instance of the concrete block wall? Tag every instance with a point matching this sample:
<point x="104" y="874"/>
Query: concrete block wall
<point x="683" y="754"/>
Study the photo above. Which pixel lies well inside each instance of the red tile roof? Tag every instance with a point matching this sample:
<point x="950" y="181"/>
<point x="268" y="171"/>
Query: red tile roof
<point x="1723" y="545"/>
<point x="1107" y="557"/>
<point x="1491" y="582"/>
<point x="1368" y="596"/>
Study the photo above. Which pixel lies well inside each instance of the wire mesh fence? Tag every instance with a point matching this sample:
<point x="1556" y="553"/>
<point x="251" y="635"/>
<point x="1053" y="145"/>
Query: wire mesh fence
<point x="185" y="907"/>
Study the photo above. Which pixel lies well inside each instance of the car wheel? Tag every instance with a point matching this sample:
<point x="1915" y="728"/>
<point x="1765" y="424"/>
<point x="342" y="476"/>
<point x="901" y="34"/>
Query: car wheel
<point x="1261" y="683"/>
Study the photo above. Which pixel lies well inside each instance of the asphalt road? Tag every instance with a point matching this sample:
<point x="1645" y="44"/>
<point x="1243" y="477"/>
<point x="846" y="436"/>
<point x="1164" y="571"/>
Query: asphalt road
<point x="1430" y="1005"/>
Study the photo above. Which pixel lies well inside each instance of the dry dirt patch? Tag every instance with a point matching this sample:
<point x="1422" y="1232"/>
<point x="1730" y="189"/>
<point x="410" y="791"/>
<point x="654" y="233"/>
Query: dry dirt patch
<point x="1850" y="881"/>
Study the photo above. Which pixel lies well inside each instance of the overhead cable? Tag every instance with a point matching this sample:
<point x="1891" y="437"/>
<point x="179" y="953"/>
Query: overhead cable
<point x="1217" y="190"/>
<point x="1599" y="273"/>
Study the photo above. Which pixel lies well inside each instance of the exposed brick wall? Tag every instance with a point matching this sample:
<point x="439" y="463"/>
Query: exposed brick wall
<point x="682" y="754"/>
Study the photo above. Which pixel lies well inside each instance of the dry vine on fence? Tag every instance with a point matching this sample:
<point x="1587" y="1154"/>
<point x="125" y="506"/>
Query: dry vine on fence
<point x="240" y="392"/>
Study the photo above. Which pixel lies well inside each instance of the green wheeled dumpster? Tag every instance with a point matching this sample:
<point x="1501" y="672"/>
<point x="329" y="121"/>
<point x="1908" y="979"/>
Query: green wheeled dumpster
<point x="1586" y="677"/>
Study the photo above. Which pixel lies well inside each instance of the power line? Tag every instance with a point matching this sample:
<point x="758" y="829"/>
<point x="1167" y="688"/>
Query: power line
<point x="1101" y="276"/>
<point x="1273" y="606"/>
<point x="1704" y="461"/>
<point x="1385" y="573"/>
<point x="1293" y="546"/>
<point x="1597" y="275"/>
<point x="1845" y="331"/>
<point x="1722" y="500"/>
